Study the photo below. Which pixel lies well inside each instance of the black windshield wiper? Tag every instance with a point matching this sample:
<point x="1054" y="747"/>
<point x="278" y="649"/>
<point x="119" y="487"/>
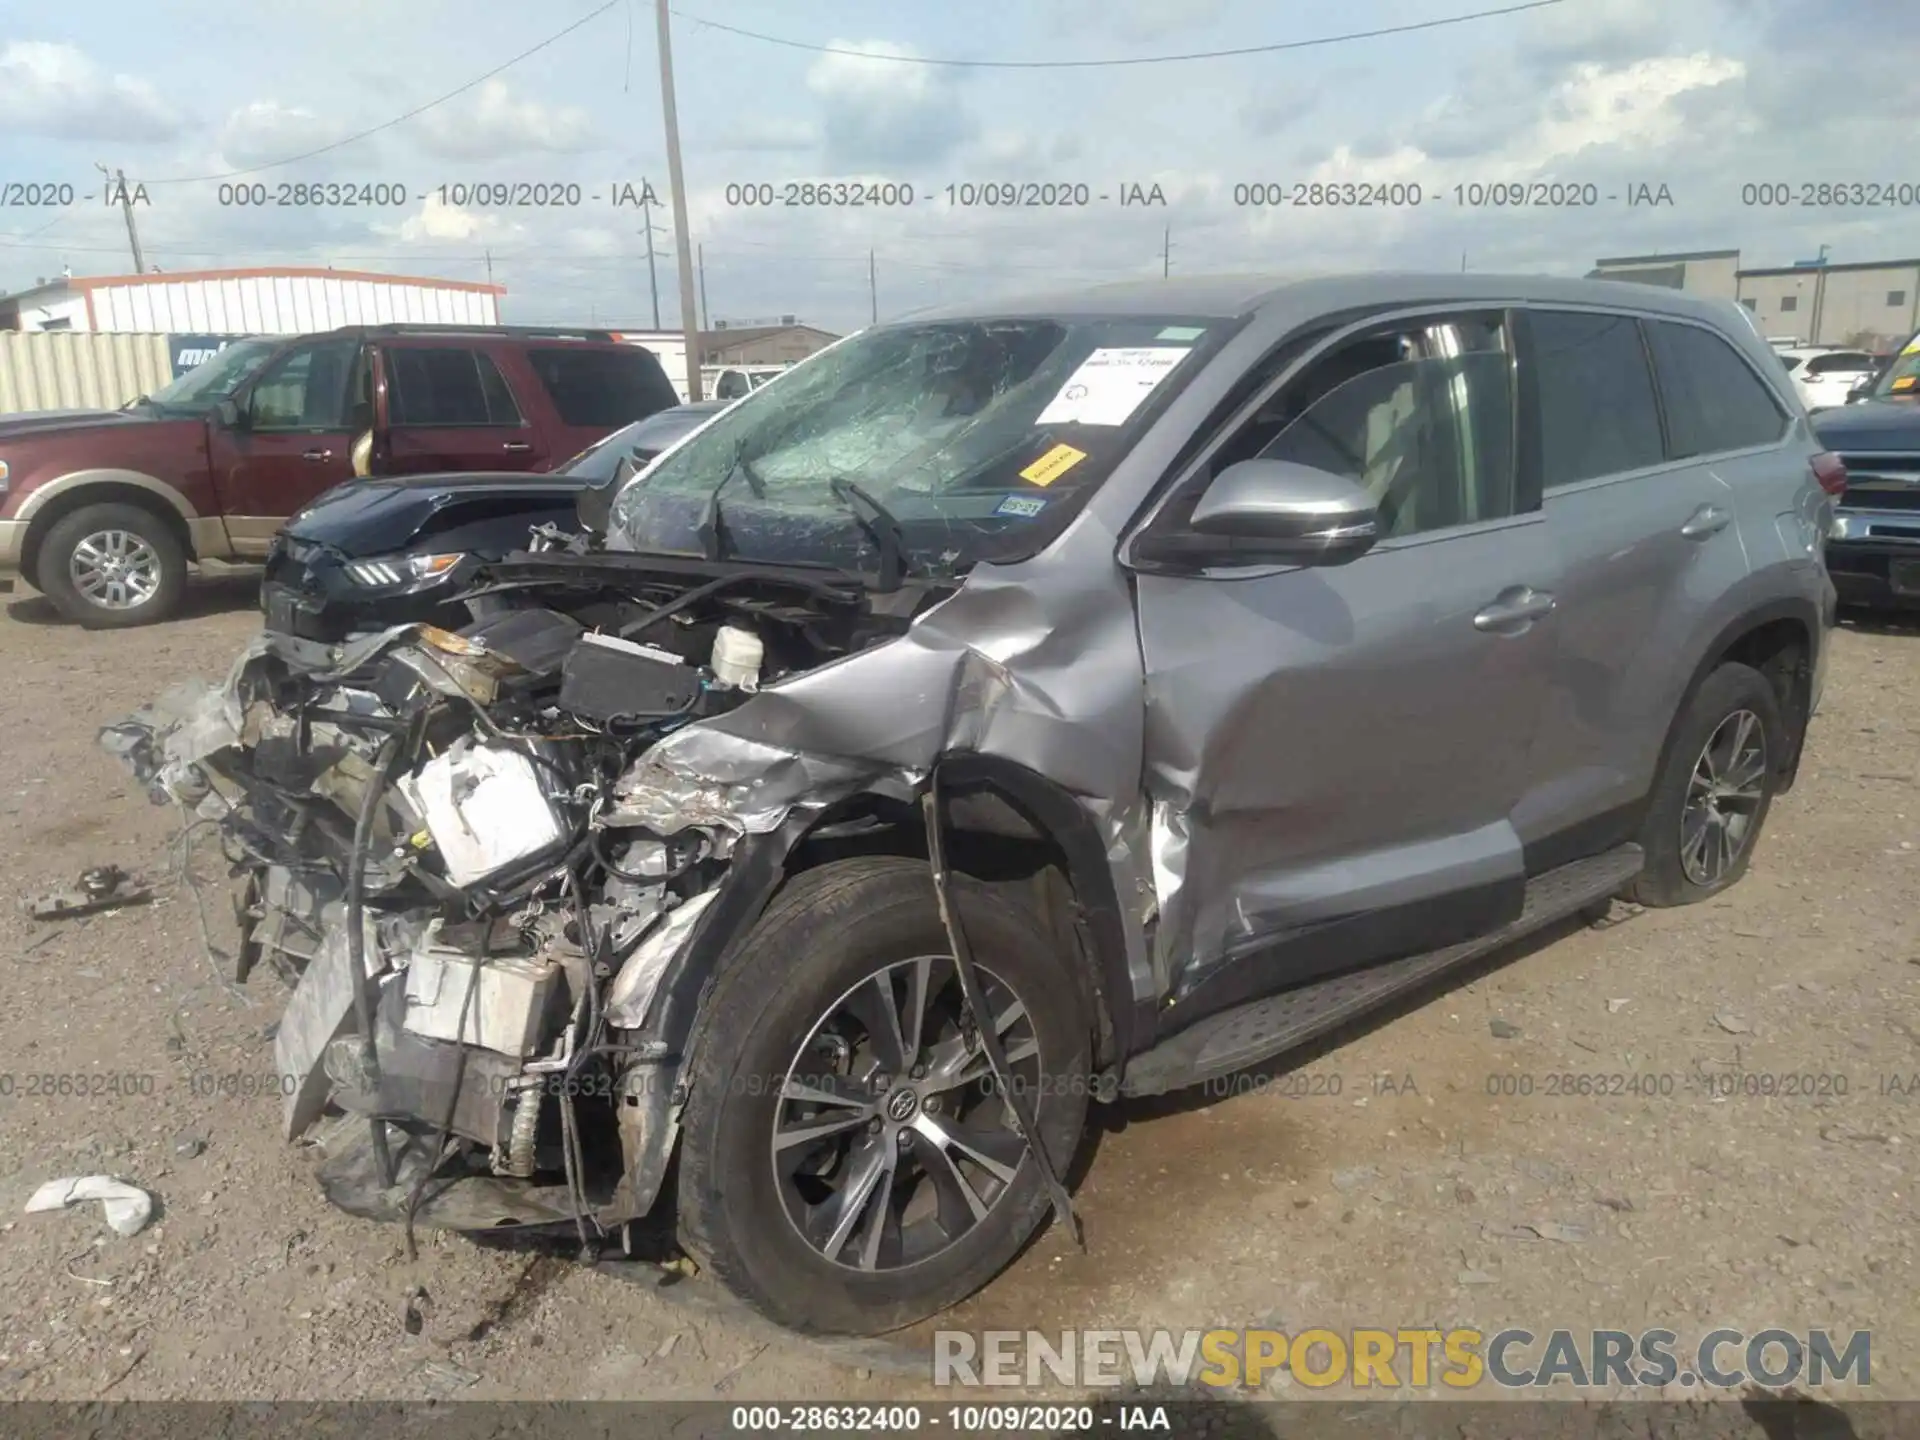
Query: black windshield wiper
<point x="713" y="525"/>
<point x="884" y="528"/>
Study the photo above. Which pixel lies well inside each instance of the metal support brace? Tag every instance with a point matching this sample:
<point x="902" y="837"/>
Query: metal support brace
<point x="976" y="1003"/>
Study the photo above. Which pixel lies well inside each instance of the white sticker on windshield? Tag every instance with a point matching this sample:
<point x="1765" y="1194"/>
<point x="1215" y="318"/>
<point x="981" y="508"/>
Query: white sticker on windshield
<point x="1110" y="385"/>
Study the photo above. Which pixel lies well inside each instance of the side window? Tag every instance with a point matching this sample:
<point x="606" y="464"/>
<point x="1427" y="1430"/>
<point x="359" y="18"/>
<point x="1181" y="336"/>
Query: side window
<point x="305" y="388"/>
<point x="603" y="389"/>
<point x="1714" y="400"/>
<point x="1597" y="411"/>
<point x="451" y="387"/>
<point x="731" y="387"/>
<point x="1420" y="416"/>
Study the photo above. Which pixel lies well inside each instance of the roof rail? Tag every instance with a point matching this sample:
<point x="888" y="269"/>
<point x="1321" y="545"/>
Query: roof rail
<point x="551" y="332"/>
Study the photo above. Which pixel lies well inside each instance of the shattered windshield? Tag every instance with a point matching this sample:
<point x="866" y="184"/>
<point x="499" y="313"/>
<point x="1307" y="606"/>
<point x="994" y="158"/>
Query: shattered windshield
<point x="962" y="440"/>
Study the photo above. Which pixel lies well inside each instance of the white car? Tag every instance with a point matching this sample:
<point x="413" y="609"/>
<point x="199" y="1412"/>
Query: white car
<point x="1824" y="374"/>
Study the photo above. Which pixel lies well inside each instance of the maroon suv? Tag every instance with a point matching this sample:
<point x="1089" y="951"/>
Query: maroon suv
<point x="103" y="510"/>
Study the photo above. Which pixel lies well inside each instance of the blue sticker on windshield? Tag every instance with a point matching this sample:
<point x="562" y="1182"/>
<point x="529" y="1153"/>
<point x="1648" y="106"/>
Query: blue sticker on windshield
<point x="1027" y="505"/>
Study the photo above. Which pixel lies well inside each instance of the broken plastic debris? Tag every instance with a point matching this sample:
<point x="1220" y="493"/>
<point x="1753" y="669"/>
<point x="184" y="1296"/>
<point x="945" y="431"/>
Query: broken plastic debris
<point x="104" y="887"/>
<point x="128" y="1207"/>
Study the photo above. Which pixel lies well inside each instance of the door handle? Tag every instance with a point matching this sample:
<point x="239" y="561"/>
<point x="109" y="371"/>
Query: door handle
<point x="516" y="446"/>
<point x="1514" y="610"/>
<point x="317" y="455"/>
<point x="1707" y="520"/>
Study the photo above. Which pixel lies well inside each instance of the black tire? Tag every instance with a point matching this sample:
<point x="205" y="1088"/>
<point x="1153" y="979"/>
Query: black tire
<point x="169" y="563"/>
<point x="1725" y="693"/>
<point x="821" y="937"/>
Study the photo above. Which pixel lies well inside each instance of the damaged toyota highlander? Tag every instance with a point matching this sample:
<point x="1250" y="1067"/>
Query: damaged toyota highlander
<point x="1012" y="709"/>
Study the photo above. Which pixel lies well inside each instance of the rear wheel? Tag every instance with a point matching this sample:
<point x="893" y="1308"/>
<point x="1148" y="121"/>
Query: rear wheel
<point x="111" y="566"/>
<point x="849" y="1166"/>
<point x="1714" y="789"/>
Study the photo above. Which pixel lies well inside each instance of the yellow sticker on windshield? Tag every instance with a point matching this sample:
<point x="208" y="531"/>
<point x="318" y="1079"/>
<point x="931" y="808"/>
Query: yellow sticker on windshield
<point x="1913" y="346"/>
<point x="1052" y="465"/>
<point x="1905" y="382"/>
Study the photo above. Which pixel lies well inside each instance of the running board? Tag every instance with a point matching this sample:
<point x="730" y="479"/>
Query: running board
<point x="1261" y="1029"/>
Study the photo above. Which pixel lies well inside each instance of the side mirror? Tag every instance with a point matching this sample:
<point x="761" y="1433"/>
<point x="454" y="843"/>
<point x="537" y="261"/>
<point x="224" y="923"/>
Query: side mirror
<point x="1279" y="512"/>
<point x="230" y="414"/>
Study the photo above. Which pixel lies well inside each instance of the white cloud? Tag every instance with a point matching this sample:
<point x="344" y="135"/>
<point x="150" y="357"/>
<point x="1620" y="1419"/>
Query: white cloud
<point x="493" y="124"/>
<point x="437" y="220"/>
<point x="877" y="111"/>
<point x="266" y="131"/>
<point x="58" y="91"/>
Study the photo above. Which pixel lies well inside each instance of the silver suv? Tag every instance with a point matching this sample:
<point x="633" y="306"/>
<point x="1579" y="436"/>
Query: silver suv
<point x="1013" y="709"/>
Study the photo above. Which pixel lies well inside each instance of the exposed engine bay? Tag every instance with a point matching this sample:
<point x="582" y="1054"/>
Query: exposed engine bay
<point x="477" y="824"/>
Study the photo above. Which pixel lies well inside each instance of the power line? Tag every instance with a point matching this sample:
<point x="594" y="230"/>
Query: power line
<point x="398" y="119"/>
<point x="1133" y="60"/>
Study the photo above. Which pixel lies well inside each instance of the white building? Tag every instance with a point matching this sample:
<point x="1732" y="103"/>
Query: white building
<point x="289" y="300"/>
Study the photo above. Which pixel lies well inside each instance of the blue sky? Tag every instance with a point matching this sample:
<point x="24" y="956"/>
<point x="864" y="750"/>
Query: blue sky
<point x="1702" y="96"/>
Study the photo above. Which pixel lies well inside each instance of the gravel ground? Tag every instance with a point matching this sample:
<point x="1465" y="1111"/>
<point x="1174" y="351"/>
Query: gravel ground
<point x="1415" y="1172"/>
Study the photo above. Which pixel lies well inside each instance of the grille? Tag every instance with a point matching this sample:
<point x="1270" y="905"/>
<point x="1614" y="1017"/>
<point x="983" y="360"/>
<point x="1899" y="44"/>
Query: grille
<point x="1881" y="482"/>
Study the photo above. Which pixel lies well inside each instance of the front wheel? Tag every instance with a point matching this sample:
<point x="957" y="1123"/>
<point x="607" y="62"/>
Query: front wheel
<point x="849" y="1166"/>
<point x="112" y="566"/>
<point x="1714" y="789"/>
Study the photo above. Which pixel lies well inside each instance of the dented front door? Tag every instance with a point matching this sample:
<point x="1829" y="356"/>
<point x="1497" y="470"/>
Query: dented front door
<point x="1335" y="754"/>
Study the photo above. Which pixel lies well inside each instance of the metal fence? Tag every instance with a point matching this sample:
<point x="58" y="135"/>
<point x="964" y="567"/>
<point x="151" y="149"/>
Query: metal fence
<point x="79" y="370"/>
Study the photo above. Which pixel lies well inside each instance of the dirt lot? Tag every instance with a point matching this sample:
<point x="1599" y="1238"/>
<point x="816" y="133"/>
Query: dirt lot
<point x="1381" y="1182"/>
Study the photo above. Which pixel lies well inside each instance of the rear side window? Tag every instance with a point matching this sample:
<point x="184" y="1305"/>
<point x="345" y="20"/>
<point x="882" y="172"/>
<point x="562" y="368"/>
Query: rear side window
<point x="447" y="388"/>
<point x="1714" y="400"/>
<point x="1597" y="411"/>
<point x="603" y="388"/>
<point x="1845" y="360"/>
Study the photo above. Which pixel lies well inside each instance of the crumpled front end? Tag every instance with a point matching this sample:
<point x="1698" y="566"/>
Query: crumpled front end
<point x="472" y="857"/>
<point x="497" y="867"/>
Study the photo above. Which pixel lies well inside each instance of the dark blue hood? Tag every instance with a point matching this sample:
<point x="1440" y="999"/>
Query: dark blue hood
<point x="380" y="517"/>
<point x="1870" y="425"/>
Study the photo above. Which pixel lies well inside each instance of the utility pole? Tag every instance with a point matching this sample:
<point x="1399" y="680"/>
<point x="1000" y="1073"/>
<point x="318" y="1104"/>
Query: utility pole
<point x="873" y="290"/>
<point x="1166" y="253"/>
<point x="689" y="321"/>
<point x="653" y="280"/>
<point x="700" y="254"/>
<point x="119" y="177"/>
<point x="489" y="255"/>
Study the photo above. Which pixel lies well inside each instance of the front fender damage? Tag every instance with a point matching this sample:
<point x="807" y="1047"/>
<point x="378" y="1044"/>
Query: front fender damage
<point x="531" y="1019"/>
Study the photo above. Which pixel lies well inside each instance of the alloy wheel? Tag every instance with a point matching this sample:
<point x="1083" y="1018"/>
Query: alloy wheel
<point x="115" y="569"/>
<point x="1724" y="794"/>
<point x="891" y="1141"/>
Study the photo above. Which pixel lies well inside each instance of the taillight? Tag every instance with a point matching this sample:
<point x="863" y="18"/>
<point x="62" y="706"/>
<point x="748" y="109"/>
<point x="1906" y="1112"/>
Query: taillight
<point x="1831" y="473"/>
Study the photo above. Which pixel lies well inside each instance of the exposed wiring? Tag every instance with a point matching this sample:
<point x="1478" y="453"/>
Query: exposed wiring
<point x="435" y="1155"/>
<point x="183" y="872"/>
<point x="1277" y="46"/>
<point x="598" y="838"/>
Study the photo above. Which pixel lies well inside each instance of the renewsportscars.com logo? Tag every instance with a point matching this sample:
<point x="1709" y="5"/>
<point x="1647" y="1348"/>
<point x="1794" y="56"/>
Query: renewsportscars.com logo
<point x="1373" y="1359"/>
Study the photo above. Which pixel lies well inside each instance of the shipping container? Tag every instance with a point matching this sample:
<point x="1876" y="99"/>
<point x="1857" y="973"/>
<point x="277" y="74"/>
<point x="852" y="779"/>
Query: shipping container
<point x="72" y="370"/>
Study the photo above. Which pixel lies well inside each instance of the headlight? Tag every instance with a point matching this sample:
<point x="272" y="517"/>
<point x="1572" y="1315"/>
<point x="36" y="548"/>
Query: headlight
<point x="402" y="569"/>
